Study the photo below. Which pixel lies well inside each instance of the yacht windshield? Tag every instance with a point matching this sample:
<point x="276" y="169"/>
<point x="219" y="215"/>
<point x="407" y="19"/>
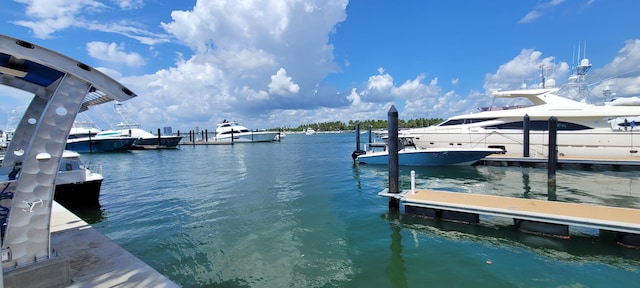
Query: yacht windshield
<point x="464" y="121"/>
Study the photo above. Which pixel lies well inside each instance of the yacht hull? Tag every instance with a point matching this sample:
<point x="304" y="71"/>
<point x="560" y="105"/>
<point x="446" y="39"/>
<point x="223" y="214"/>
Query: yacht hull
<point x="429" y="157"/>
<point x="249" y="137"/>
<point x="592" y="143"/>
<point x="94" y="145"/>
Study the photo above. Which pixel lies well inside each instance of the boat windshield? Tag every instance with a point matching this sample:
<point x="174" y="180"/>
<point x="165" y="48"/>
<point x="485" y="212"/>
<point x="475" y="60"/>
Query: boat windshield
<point x="464" y="121"/>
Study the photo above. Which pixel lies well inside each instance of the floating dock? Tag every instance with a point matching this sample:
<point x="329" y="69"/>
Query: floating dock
<point x="563" y="161"/>
<point x="85" y="258"/>
<point x="543" y="217"/>
<point x="183" y="143"/>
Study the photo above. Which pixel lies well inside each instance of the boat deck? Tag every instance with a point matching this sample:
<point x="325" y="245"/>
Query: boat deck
<point x="563" y="213"/>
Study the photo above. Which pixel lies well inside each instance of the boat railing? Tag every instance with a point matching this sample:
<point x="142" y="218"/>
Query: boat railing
<point x="94" y="167"/>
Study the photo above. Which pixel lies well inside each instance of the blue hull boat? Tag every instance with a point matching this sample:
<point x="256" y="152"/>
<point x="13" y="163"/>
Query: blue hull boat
<point x="430" y="157"/>
<point x="99" y="144"/>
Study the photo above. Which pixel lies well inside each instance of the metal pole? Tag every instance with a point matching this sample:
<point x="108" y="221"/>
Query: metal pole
<point x="394" y="203"/>
<point x="525" y="141"/>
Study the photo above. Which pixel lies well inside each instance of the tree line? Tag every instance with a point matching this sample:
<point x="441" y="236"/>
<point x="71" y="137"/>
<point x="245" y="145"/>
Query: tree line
<point x="365" y="125"/>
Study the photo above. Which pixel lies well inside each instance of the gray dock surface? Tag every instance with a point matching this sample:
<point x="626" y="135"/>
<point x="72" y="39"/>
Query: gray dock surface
<point x="95" y="260"/>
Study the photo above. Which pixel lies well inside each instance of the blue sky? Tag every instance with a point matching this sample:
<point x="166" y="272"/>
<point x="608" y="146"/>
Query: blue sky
<point x="285" y="63"/>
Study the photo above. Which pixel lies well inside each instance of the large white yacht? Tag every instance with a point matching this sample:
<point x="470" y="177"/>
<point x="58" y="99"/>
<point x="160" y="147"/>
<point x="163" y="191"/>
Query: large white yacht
<point x="583" y="129"/>
<point x="226" y="130"/>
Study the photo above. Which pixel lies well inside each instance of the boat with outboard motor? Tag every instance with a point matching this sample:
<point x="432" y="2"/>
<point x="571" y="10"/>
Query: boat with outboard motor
<point x="583" y="130"/>
<point x="410" y="155"/>
<point x="234" y="132"/>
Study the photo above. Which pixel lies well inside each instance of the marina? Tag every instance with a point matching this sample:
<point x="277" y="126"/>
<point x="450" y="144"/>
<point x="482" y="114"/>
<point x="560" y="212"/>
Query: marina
<point x="289" y="213"/>
<point x="293" y="223"/>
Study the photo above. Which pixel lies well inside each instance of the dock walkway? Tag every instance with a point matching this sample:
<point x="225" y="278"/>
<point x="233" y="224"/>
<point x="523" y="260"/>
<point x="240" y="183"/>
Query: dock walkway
<point x="93" y="259"/>
<point x="550" y="218"/>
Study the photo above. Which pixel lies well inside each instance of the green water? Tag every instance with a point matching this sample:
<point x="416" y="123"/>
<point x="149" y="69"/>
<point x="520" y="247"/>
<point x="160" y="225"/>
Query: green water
<point x="299" y="213"/>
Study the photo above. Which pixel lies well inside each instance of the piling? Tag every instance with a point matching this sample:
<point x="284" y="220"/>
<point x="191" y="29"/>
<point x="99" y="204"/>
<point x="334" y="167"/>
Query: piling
<point x="394" y="203"/>
<point x="159" y="137"/>
<point x="525" y="134"/>
<point x="358" y="151"/>
<point x="206" y="135"/>
<point x="552" y="161"/>
<point x="370" y="136"/>
<point x="358" y="136"/>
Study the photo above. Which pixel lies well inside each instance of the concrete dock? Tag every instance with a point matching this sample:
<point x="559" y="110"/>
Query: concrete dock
<point x="92" y="259"/>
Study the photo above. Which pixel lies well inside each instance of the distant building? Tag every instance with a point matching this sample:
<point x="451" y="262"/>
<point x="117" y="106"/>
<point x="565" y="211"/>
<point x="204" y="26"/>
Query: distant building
<point x="167" y="130"/>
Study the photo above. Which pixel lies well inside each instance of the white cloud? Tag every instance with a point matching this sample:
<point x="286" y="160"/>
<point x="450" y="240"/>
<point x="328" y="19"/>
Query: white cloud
<point x="537" y="12"/>
<point x="129" y="4"/>
<point x="50" y="16"/>
<point x="524" y="69"/>
<point x="237" y="47"/>
<point x="282" y="84"/>
<point x="114" y="53"/>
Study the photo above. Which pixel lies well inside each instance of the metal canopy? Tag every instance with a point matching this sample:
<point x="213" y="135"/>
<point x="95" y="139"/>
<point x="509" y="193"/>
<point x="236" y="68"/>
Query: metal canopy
<point x="62" y="88"/>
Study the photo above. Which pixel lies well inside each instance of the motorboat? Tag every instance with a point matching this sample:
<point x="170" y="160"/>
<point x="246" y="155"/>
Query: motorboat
<point x="86" y="137"/>
<point x="103" y="141"/>
<point x="410" y="155"/>
<point x="77" y="184"/>
<point x="234" y="132"/>
<point x="583" y="129"/>
<point x="144" y="139"/>
<point x="309" y="131"/>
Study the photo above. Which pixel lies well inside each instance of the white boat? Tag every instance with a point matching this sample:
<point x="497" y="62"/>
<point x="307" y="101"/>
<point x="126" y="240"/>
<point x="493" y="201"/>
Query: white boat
<point x="144" y="139"/>
<point x="77" y="184"/>
<point x="583" y="130"/>
<point x="226" y="130"/>
<point x="410" y="155"/>
<point x="309" y="131"/>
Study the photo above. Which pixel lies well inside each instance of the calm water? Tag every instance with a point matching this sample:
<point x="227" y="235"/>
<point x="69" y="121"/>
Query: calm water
<point x="299" y="213"/>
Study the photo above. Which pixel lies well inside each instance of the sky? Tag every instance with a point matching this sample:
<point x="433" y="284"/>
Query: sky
<point x="286" y="63"/>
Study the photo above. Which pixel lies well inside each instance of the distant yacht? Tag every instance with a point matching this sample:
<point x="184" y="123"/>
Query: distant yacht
<point x="144" y="139"/>
<point x="226" y="130"/>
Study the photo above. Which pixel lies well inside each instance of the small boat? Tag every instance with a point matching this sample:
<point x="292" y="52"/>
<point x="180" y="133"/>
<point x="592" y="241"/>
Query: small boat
<point x="226" y="129"/>
<point x="410" y="155"/>
<point x="309" y="131"/>
<point x="77" y="184"/>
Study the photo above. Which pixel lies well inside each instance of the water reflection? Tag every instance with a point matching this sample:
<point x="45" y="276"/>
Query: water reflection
<point x="91" y="214"/>
<point x="396" y="270"/>
<point x="599" y="247"/>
